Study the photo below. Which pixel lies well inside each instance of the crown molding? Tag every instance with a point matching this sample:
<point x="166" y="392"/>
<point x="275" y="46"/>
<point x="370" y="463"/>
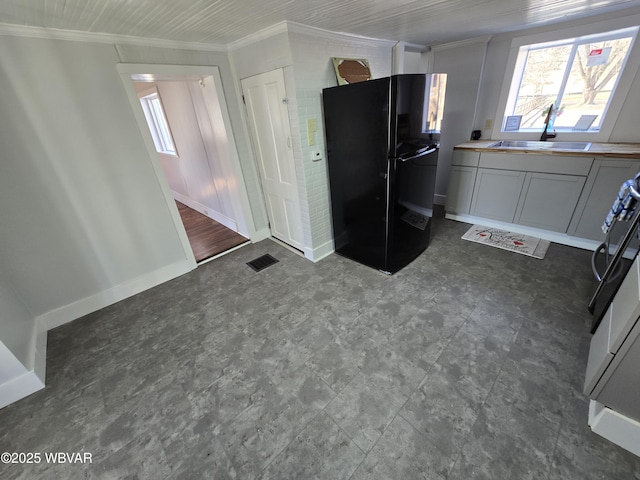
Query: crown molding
<point x="414" y="47"/>
<point x="276" y="29"/>
<point x="293" y="27"/>
<point x="77" y="36"/>
<point x="462" y="43"/>
<point x="260" y="35"/>
<point x="330" y="35"/>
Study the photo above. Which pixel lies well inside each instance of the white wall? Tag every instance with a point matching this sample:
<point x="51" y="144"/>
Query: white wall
<point x="84" y="211"/>
<point x="414" y="62"/>
<point x="261" y="53"/>
<point x="460" y="115"/>
<point x="305" y="54"/>
<point x="463" y="65"/>
<point x="170" y="163"/>
<point x="197" y="162"/>
<point x="230" y="91"/>
<point x="192" y="156"/>
<point x="313" y="71"/>
<point x="85" y="218"/>
<point x="265" y="52"/>
<point x="625" y="129"/>
<point x="17" y="348"/>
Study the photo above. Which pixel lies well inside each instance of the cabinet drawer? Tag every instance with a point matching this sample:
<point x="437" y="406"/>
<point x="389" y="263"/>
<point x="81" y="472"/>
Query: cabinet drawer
<point x="625" y="308"/>
<point x="529" y="162"/>
<point x="465" y="158"/>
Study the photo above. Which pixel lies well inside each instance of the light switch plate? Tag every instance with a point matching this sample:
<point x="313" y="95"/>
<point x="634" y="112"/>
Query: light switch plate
<point x="312" y="127"/>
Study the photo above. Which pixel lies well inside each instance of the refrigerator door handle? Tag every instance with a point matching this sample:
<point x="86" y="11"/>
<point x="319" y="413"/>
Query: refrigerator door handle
<point x="419" y="153"/>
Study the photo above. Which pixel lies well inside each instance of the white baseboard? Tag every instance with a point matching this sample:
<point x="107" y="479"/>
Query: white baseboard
<point x="24" y="384"/>
<point x="17" y="380"/>
<point x="313" y="254"/>
<point x="206" y="211"/>
<point x="439" y="199"/>
<point x="621" y="430"/>
<point x="20" y="387"/>
<point x="40" y="354"/>
<point x="556" y="237"/>
<point x="318" y="253"/>
<point x="67" y="313"/>
<point x="260" y="235"/>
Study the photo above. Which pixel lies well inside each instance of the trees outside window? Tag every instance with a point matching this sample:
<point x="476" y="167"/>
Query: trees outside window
<point x="577" y="76"/>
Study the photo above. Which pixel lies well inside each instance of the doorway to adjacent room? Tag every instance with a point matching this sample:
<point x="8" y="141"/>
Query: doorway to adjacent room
<point x="204" y="190"/>
<point x="207" y="237"/>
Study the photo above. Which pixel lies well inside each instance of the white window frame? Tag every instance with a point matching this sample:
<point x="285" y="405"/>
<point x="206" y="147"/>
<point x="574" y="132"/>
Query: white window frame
<point x="616" y="101"/>
<point x="157" y="121"/>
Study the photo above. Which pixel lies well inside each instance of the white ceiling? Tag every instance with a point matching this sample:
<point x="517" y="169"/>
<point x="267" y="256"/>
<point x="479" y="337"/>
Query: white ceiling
<point x="221" y="22"/>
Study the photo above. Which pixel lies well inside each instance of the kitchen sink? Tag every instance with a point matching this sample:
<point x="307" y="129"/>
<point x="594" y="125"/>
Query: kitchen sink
<point x="533" y="145"/>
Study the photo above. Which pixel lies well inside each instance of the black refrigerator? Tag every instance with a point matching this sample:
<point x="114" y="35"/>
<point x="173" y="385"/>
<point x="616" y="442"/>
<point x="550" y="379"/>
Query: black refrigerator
<point x="382" y="140"/>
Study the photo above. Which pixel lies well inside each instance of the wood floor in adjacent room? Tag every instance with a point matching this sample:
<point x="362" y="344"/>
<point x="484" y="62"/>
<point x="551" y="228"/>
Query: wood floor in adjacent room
<point x="206" y="236"/>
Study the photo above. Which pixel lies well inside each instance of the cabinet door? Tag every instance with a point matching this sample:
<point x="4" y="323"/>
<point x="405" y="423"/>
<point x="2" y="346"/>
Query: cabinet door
<point x="496" y="194"/>
<point x="603" y="184"/>
<point x="621" y="389"/>
<point x="599" y="355"/>
<point x="625" y="307"/>
<point x="460" y="191"/>
<point x="548" y="200"/>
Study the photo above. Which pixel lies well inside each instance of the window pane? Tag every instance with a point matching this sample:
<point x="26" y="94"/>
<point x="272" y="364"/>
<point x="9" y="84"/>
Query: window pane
<point x="593" y="75"/>
<point x="161" y="125"/>
<point x="540" y="84"/>
<point x="577" y="75"/>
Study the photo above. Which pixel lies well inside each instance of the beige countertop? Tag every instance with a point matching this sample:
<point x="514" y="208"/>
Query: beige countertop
<point x="617" y="150"/>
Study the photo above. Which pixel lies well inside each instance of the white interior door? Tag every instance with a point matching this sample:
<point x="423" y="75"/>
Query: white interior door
<point x="266" y="100"/>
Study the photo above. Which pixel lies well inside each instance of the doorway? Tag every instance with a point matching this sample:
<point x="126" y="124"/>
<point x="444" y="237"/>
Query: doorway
<point x="207" y="237"/>
<point x="201" y="179"/>
<point x="266" y="103"/>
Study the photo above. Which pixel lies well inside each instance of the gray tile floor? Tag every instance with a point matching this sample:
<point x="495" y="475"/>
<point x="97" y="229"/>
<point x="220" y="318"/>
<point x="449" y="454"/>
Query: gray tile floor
<point x="466" y="364"/>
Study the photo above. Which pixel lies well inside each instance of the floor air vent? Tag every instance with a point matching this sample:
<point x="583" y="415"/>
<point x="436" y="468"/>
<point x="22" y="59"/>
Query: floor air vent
<point x="262" y="262"/>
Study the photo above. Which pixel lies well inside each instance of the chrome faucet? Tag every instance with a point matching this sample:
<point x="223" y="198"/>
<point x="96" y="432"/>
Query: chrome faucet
<point x="545" y="135"/>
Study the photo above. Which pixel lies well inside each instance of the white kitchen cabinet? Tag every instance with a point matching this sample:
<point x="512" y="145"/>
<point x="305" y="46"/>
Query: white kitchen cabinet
<point x="496" y="193"/>
<point x="465" y="158"/>
<point x="621" y="392"/>
<point x="534" y="190"/>
<point x="549" y="200"/>
<point x="599" y="193"/>
<point x="536" y="162"/>
<point x="565" y="197"/>
<point x="599" y="355"/>
<point x="614" y="330"/>
<point x="625" y="310"/>
<point x="612" y="379"/>
<point x="461" y="183"/>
